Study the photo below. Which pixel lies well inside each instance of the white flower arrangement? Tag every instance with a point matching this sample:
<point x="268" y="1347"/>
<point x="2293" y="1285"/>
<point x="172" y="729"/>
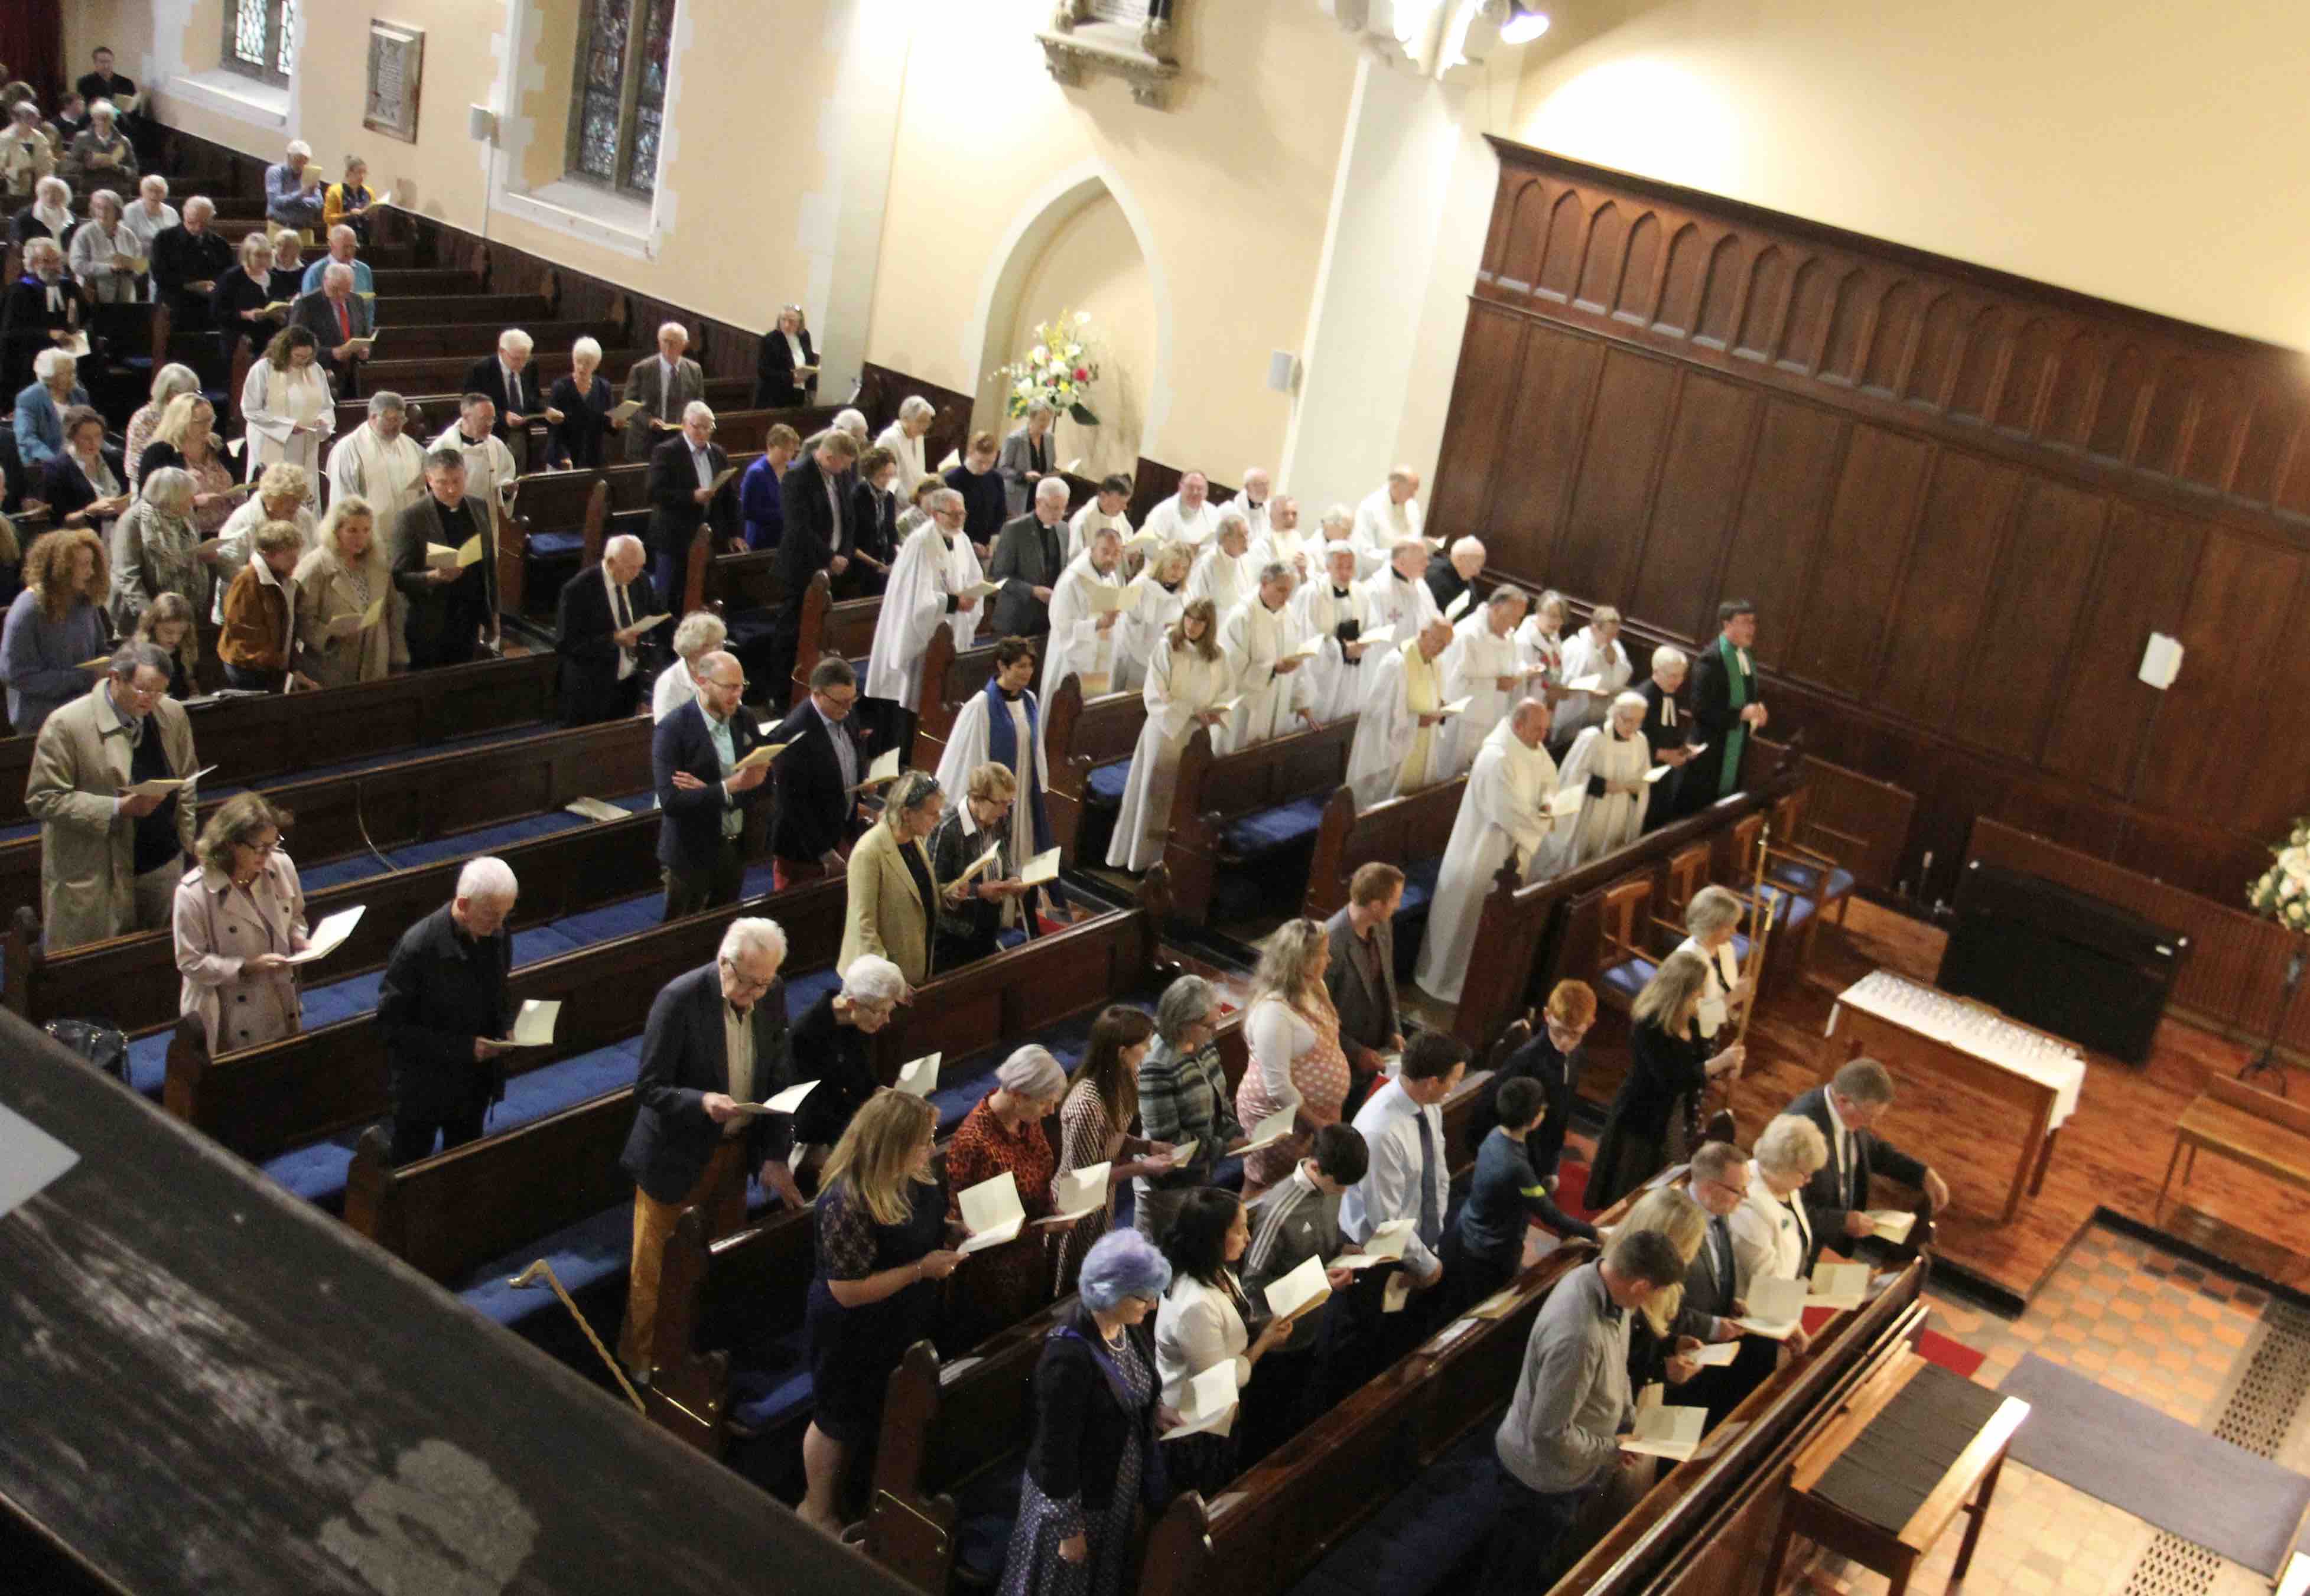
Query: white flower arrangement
<point x="1058" y="370"/>
<point x="2283" y="892"/>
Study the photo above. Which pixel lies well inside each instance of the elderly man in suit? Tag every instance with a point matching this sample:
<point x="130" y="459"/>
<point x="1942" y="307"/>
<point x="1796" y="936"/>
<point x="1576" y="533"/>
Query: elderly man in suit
<point x="1848" y="1111"/>
<point x="816" y="508"/>
<point x="1718" y="1181"/>
<point x="511" y="381"/>
<point x="817" y="776"/>
<point x="716" y="1041"/>
<point x="1361" y="975"/>
<point x="600" y="641"/>
<point x="110" y="859"/>
<point x="339" y="318"/>
<point x="450" y="607"/>
<point x="686" y="491"/>
<point x="663" y="384"/>
<point x="446" y="1009"/>
<point x="702" y="795"/>
<point x="1028" y="556"/>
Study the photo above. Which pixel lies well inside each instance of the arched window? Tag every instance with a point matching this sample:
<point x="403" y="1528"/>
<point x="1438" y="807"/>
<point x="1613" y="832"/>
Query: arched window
<point x="617" y="112"/>
<point x="258" y="37"/>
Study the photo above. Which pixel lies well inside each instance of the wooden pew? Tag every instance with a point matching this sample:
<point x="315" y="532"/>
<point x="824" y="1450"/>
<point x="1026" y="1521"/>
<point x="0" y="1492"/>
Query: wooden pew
<point x="439" y="373"/>
<point x="441" y="408"/>
<point x="441" y="310"/>
<point x="132" y="981"/>
<point x="1402" y="831"/>
<point x="1081" y="736"/>
<point x="265" y="1100"/>
<point x="845" y="629"/>
<point x="469" y="342"/>
<point x="950" y="677"/>
<point x="1214" y="790"/>
<point x="423" y="282"/>
<point x="257" y="737"/>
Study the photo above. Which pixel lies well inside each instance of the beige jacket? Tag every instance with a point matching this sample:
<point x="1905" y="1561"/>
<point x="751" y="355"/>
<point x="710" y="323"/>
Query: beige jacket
<point x="217" y="932"/>
<point x="88" y="848"/>
<point x="885" y="914"/>
<point x="325" y="592"/>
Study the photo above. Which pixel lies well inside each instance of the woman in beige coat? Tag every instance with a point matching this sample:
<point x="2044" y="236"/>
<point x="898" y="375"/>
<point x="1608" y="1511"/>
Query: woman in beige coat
<point x="893" y="899"/>
<point x="337" y="582"/>
<point x="240" y="914"/>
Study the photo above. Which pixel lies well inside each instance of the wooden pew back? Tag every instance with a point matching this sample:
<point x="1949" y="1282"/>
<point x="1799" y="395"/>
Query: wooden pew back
<point x="1398" y="831"/>
<point x="1081" y="736"/>
<point x="950" y="679"/>
<point x="845" y="629"/>
<point x="440" y="373"/>
<point x="1214" y="790"/>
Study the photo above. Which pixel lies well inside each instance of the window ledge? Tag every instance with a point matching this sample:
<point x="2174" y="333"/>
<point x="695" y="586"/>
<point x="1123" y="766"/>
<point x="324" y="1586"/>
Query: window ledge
<point x="228" y="93"/>
<point x="612" y="220"/>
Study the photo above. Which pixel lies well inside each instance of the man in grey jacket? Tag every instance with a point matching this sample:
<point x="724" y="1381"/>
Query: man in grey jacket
<point x="1362" y="976"/>
<point x="1560" y="1439"/>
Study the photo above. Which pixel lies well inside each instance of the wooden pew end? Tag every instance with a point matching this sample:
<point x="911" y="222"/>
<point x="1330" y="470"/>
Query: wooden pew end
<point x="23" y="952"/>
<point x="689" y="1399"/>
<point x="369" y="1191"/>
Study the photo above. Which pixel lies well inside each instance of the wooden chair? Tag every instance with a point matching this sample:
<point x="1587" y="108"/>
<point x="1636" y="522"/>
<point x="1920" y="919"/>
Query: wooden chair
<point x="1624" y="961"/>
<point x="1808" y="884"/>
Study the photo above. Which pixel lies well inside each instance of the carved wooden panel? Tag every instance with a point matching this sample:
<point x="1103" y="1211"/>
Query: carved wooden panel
<point x="1962" y="501"/>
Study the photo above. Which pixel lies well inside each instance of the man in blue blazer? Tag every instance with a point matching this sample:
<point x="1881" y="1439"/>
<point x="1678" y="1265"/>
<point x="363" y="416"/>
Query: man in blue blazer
<point x="702" y="797"/>
<point x="1847" y="1110"/>
<point x="716" y="1040"/>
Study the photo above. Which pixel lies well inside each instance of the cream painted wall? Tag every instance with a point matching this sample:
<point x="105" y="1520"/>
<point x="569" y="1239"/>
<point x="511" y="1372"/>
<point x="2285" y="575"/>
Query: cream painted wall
<point x="2147" y="153"/>
<point x="1229" y="190"/>
<point x="1094" y="264"/>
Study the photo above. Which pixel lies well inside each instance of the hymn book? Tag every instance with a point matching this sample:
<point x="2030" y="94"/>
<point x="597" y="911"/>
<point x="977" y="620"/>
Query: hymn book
<point x="1838" y="1284"/>
<point x="990" y="1212"/>
<point x="1270" y="1130"/>
<point x="919" y="1079"/>
<point x="1592" y="683"/>
<point x="1101" y="597"/>
<point x="1043" y="867"/>
<point x="1211" y="1401"/>
<point x="330" y="934"/>
<point x="1656" y="773"/>
<point x="1892" y="1224"/>
<point x="625" y="411"/>
<point x="648" y="622"/>
<point x="161" y="787"/>
<point x="1566" y="803"/>
<point x="1299" y="1291"/>
<point x="1384" y="1246"/>
<point x="1456" y="707"/>
<point x="1717" y="1353"/>
<point x="885" y="768"/>
<point x="533" y="1027"/>
<point x="1376" y="635"/>
<point x="784" y="1102"/>
<point x="1459" y="606"/>
<point x="1308" y="650"/>
<point x="1667" y="1432"/>
<point x="595" y="809"/>
<point x="979" y="590"/>
<point x="1182" y="1151"/>
<point x="276" y="308"/>
<point x="980" y="863"/>
<point x="1775" y="1306"/>
<point x="721" y="480"/>
<point x="1078" y="1193"/>
<point x="759" y="757"/>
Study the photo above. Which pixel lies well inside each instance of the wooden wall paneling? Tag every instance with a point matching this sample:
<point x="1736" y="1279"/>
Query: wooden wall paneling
<point x="2276" y="790"/>
<point x="1859" y="558"/>
<point x="1484" y="412"/>
<point x="1632" y="415"/>
<point x="2035" y="597"/>
<point x="1682" y="279"/>
<point x="1935" y="615"/>
<point x="1604" y="253"/>
<point x="1799" y="458"/>
<point x="1547" y="420"/>
<point x="1641" y="273"/>
<point x="1685" y="538"/>
<point x="2140" y="585"/>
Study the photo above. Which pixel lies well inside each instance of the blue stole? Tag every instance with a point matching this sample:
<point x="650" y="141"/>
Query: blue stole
<point x="1003" y="748"/>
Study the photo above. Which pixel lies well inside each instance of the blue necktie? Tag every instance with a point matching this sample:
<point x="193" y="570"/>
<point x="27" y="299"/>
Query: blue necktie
<point x="1431" y="1218"/>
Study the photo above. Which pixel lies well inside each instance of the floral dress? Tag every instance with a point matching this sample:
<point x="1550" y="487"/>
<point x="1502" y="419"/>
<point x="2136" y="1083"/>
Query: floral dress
<point x="1034" y="1566"/>
<point x="1005" y="1284"/>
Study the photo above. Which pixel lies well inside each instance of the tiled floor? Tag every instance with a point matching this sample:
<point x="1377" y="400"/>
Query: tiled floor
<point x="2145" y="1323"/>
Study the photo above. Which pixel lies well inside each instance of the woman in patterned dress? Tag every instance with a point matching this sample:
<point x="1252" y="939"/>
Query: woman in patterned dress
<point x="1004" y="1284"/>
<point x="1296" y="1061"/>
<point x="1093" y="1460"/>
<point x="1095" y="1124"/>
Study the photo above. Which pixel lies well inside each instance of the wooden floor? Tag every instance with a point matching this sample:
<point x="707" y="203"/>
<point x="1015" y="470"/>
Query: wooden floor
<point x="2112" y="1154"/>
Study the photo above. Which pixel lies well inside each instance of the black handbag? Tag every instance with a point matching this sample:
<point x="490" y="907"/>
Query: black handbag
<point x="100" y="1043"/>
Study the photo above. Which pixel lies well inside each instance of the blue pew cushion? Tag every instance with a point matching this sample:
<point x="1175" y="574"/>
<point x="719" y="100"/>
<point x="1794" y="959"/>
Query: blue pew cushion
<point x="986" y="1508"/>
<point x="554" y="545"/>
<point x="774" y="1387"/>
<point x="1629" y="976"/>
<point x="595" y="1250"/>
<point x="1418" y="885"/>
<point x="1424" y="1537"/>
<point x="1106" y="783"/>
<point x="1793" y="908"/>
<point x="1268" y="830"/>
<point x="1806" y="878"/>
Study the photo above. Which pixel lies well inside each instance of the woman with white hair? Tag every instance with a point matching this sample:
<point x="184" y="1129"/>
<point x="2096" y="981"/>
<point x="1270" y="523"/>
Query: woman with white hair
<point x="1665" y="724"/>
<point x="1004" y="1135"/>
<point x="154" y="550"/>
<point x="26" y="156"/>
<point x="239" y="303"/>
<point x="786" y="363"/>
<point x="1773" y="1237"/>
<point x="1594" y="651"/>
<point x="284" y="493"/>
<point x="287" y="405"/>
<point x="1608" y="764"/>
<point x="1712" y="921"/>
<point x="1027" y="457"/>
<point x="100" y="152"/>
<point x="39" y="418"/>
<point x="347" y="637"/>
<point x="904" y="439"/>
<point x="40" y="312"/>
<point x="833" y="1045"/>
<point x="697" y="634"/>
<point x="103" y="257"/>
<point x="49" y="216"/>
<point x="579" y="440"/>
<point x="167" y="382"/>
<point x="149" y="214"/>
<point x="1655" y="1118"/>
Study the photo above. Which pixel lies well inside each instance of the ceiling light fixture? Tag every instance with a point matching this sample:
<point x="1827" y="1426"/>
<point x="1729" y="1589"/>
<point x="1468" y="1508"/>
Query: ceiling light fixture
<point x="1525" y="24"/>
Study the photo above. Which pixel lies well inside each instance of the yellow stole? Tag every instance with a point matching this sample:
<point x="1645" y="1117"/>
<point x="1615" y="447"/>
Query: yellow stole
<point x="1423" y="694"/>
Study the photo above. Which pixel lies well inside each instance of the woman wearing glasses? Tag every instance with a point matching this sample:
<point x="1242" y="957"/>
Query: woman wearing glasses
<point x="239" y="914"/>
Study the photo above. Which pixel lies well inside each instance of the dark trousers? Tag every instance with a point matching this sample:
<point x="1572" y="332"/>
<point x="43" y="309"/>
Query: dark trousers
<point x="693" y="892"/>
<point x="413" y="1138"/>
<point x="1468" y="1277"/>
<point x="1532" y="1539"/>
<point x="462" y="621"/>
<point x="249" y="680"/>
<point x="1275" y="1404"/>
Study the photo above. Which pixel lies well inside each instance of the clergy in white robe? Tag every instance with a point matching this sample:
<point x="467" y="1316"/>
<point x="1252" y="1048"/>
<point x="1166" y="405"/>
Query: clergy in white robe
<point x="490" y="468"/>
<point x="1002" y="722"/>
<point x="930" y="584"/>
<point x="1261" y="639"/>
<point x="1157" y="594"/>
<point x="1331" y="608"/>
<point x="1103" y="510"/>
<point x="1402" y="743"/>
<point x="287" y="409"/>
<point x="1280" y="540"/>
<point x="1188" y="516"/>
<point x="1505" y="809"/>
<point x="904" y="439"/>
<point x="1397" y="595"/>
<point x="378" y="462"/>
<point x="1540" y="641"/>
<point x="1224" y="573"/>
<point x="1087" y="604"/>
<point x="1256" y="503"/>
<point x="1187" y="677"/>
<point x="1595" y="650"/>
<point x="1608" y="763"/>
<point x="1482" y="666"/>
<point x="1388" y="515"/>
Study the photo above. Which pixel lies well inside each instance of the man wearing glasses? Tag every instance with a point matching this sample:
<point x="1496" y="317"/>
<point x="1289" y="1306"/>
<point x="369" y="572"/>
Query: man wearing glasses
<point x="819" y="776"/>
<point x="110" y="859"/>
<point x="702" y="794"/>
<point x="716" y="1047"/>
<point x="1718" y="1181"/>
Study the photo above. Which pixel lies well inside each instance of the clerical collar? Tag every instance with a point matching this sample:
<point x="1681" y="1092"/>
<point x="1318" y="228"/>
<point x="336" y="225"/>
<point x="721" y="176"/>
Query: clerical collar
<point x="1168" y="586"/>
<point x="1340" y="592"/>
<point x="1011" y="696"/>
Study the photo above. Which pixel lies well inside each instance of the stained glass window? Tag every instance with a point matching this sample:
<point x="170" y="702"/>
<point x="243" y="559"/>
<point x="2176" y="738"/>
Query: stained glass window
<point x="260" y="39"/>
<point x="617" y="112"/>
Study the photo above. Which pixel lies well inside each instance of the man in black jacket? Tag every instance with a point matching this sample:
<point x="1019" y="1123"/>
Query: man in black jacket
<point x="450" y="607"/>
<point x="702" y="795"/>
<point x="187" y="259"/>
<point x="717" y="1039"/>
<point x="1663" y="728"/>
<point x="683" y="495"/>
<point x="817" y="776"/>
<point x="445" y="1012"/>
<point x="1848" y="1111"/>
<point x="817" y="536"/>
<point x="600" y="641"/>
<point x="511" y="383"/>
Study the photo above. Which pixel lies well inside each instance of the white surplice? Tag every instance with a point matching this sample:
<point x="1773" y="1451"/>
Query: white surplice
<point x="1473" y="665"/>
<point x="1226" y="579"/>
<point x="1585" y="656"/>
<point x="1077" y="646"/>
<point x="929" y="570"/>
<point x="1393" y="753"/>
<point x="1293" y="548"/>
<point x="388" y="475"/>
<point x="966" y="750"/>
<point x="1335" y="684"/>
<point x="1390" y="601"/>
<point x="1541" y="653"/>
<point x="271" y="400"/>
<point x="1253" y="637"/>
<point x="1611" y="819"/>
<point x="1088" y="522"/>
<point x="1504" y="807"/>
<point x="1381" y="524"/>
<point x="1146" y="628"/>
<point x="1174" y="524"/>
<point x="1181" y="684"/>
<point x="908" y="453"/>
